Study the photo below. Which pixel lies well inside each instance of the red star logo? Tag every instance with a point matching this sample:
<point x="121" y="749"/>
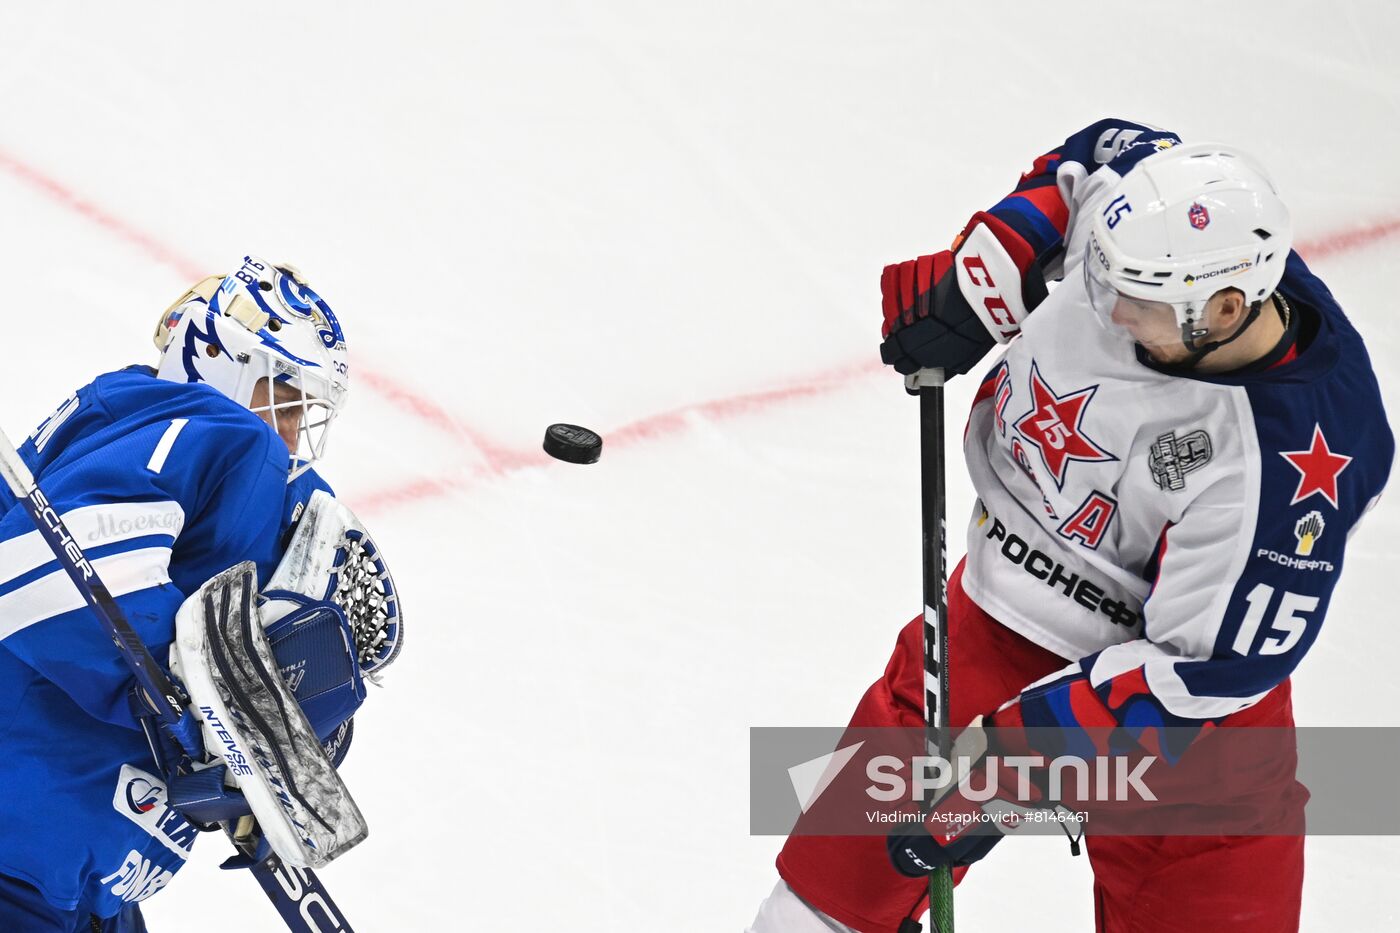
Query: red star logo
<point x="1319" y="468"/>
<point x="1053" y="425"/>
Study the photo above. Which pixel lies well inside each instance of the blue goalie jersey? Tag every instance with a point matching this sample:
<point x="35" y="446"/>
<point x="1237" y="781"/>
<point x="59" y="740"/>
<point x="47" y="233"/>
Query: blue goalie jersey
<point x="164" y="485"/>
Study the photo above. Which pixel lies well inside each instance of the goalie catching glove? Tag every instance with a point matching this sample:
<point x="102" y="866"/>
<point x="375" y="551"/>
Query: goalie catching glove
<point x="274" y="679"/>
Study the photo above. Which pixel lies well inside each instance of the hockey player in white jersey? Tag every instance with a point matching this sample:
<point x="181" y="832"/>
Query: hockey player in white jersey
<point x="1169" y="457"/>
<point x="181" y="482"/>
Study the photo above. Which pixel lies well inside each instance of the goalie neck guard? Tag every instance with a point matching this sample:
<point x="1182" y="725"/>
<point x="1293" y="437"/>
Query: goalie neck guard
<point x="259" y="323"/>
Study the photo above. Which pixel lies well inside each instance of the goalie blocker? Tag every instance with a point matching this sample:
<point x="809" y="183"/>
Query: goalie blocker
<point x="274" y="679"/>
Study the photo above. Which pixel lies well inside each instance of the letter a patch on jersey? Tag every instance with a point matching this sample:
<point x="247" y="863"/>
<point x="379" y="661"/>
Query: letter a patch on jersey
<point x="1089" y="522"/>
<point x="1055" y="426"/>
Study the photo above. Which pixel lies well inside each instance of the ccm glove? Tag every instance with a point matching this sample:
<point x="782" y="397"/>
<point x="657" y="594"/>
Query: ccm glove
<point x="928" y="322"/>
<point x="947" y="310"/>
<point x="919" y="853"/>
<point x="959" y="829"/>
<point x="954" y="832"/>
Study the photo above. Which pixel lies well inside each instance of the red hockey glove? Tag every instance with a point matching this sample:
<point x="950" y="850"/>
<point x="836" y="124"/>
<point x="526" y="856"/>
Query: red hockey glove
<point x="928" y="323"/>
<point x="947" y="310"/>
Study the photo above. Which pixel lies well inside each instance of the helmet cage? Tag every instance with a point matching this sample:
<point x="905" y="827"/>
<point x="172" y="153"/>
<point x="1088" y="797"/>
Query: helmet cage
<point x="309" y="410"/>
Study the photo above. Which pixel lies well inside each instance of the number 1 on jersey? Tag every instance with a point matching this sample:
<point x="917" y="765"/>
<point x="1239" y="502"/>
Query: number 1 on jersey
<point x="167" y="441"/>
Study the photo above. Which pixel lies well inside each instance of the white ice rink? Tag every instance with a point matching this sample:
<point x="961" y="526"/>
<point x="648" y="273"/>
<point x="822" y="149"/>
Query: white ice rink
<point x="665" y="220"/>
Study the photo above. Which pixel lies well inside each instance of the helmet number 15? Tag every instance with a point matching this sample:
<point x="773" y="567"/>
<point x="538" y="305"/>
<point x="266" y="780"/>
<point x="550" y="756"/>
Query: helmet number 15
<point x="1116" y="209"/>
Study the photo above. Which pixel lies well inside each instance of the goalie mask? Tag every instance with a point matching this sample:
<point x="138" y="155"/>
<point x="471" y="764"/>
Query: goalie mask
<point x="262" y="325"/>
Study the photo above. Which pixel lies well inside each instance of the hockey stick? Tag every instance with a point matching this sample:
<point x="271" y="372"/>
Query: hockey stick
<point x="933" y="467"/>
<point x="295" y="891"/>
<point x="160" y="695"/>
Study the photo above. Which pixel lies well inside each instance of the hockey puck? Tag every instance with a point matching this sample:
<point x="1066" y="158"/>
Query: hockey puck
<point x="572" y="444"/>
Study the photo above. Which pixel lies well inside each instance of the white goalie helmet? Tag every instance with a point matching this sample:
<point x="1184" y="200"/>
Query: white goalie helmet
<point x="1179" y="227"/>
<point x="261" y="322"/>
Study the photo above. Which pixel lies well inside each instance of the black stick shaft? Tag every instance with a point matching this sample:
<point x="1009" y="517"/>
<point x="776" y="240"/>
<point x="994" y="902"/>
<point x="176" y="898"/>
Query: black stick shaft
<point x="935" y="563"/>
<point x="933" y="469"/>
<point x="162" y="696"/>
<point x="302" y="901"/>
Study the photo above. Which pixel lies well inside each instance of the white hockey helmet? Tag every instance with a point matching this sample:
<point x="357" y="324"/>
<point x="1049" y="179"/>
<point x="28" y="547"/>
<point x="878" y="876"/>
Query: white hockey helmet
<point x="261" y="322"/>
<point x="1182" y="225"/>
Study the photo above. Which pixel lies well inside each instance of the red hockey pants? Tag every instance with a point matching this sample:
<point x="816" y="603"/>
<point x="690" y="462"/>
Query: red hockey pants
<point x="1142" y="884"/>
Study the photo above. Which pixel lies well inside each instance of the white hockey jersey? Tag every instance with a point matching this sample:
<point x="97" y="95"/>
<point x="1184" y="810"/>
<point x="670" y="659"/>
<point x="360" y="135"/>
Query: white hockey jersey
<point x="1179" y="536"/>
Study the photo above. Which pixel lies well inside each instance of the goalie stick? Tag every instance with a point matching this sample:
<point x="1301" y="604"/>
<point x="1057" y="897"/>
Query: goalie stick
<point x="297" y="893"/>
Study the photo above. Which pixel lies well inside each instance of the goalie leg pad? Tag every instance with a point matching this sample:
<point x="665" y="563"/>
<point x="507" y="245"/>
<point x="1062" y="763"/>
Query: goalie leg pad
<point x="251" y="717"/>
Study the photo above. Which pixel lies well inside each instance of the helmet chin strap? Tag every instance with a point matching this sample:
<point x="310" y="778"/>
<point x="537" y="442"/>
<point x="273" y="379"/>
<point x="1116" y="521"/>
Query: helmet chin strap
<point x="1190" y="334"/>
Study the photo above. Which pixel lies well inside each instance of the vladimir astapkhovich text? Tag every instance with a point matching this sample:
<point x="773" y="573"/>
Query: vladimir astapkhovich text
<point x="1009" y="819"/>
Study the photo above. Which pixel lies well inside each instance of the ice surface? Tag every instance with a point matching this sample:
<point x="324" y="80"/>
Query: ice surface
<point x="664" y="221"/>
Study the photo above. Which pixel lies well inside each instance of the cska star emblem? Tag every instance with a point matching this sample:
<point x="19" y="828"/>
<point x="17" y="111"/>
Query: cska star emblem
<point x="1054" y="425"/>
<point x="1318" y="467"/>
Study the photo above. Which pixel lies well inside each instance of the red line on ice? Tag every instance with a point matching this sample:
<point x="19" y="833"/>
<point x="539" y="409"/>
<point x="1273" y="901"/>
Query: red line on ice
<point x="399" y="395"/>
<point x="66" y="197"/>
<point x="1346" y="241"/>
<point x="498" y="460"/>
<point x="652" y="427"/>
